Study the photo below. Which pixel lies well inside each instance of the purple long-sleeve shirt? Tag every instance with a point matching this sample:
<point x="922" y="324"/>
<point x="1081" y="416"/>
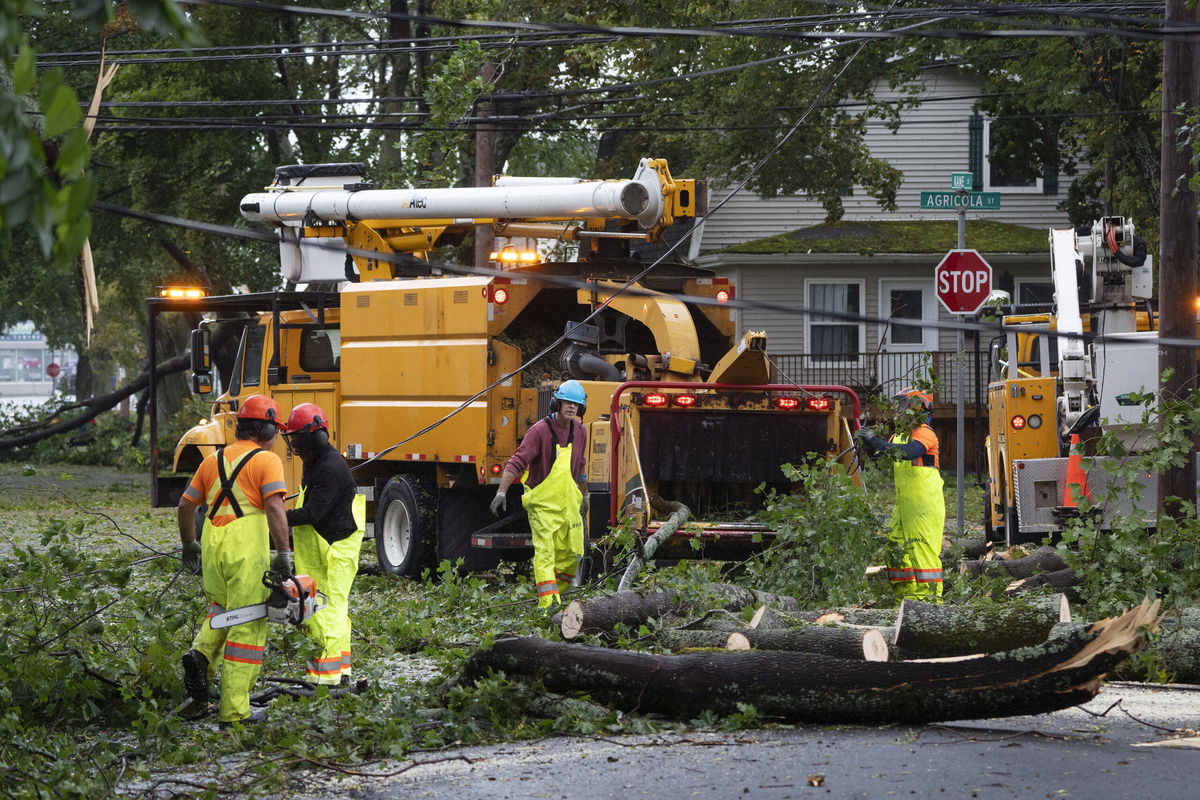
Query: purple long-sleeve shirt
<point x="536" y="452"/>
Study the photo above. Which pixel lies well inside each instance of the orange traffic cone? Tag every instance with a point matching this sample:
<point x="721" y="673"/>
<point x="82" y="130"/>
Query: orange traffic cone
<point x="1076" y="488"/>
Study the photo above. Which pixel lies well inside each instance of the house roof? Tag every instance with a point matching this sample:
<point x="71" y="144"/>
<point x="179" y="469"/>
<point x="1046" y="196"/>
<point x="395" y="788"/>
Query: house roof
<point x="899" y="236"/>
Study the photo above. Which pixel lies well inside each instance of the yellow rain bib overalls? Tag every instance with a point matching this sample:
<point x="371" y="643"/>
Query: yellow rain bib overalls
<point x="333" y="567"/>
<point x="918" y="522"/>
<point x="235" y="556"/>
<point x="556" y="523"/>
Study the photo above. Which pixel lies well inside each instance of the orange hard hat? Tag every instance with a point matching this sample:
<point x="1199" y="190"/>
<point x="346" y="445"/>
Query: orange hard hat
<point x="914" y="396"/>
<point x="305" y="418"/>
<point x="258" y="406"/>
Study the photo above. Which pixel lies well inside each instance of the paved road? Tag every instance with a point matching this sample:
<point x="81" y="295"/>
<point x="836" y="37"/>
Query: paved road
<point x="1070" y="753"/>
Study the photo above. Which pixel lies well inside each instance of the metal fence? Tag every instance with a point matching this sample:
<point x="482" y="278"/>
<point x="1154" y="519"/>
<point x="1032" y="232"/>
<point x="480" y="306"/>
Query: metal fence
<point x="887" y="373"/>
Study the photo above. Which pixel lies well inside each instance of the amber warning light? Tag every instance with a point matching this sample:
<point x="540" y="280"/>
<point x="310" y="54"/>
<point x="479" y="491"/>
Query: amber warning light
<point x="182" y="292"/>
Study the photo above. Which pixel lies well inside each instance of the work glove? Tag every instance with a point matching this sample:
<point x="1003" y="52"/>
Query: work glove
<point x="499" y="503"/>
<point x="282" y="564"/>
<point x="191" y="557"/>
<point x="869" y="438"/>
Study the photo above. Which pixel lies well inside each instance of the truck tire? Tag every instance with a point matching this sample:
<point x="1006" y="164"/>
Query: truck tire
<point x="404" y="535"/>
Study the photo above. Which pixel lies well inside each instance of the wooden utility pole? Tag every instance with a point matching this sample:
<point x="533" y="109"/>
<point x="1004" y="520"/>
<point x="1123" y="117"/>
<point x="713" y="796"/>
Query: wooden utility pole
<point x="485" y="167"/>
<point x="1177" y="261"/>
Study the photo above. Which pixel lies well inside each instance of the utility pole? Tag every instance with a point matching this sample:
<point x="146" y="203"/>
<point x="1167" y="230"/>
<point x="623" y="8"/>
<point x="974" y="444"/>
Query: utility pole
<point x="1178" y="239"/>
<point x="485" y="167"/>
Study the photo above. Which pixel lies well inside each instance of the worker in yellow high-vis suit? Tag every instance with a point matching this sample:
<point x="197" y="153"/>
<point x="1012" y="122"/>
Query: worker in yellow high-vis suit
<point x="551" y="457"/>
<point x="919" y="516"/>
<point x="328" y="522"/>
<point x="243" y="486"/>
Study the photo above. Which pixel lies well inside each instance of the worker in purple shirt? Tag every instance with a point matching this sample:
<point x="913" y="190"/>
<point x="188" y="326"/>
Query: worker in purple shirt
<point x="550" y="461"/>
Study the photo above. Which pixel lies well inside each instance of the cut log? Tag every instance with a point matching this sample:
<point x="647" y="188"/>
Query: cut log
<point x="926" y="630"/>
<point x="1061" y="579"/>
<point x="873" y="617"/>
<point x="603" y="614"/>
<point x="1044" y="559"/>
<point x="810" y="687"/>
<point x="839" y="641"/>
<point x="675" y="639"/>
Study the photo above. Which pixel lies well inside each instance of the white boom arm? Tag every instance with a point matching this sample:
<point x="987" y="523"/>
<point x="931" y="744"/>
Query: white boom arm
<point x="640" y="198"/>
<point x="1073" y="364"/>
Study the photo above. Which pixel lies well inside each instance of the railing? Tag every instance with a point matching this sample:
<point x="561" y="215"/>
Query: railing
<point x="887" y="373"/>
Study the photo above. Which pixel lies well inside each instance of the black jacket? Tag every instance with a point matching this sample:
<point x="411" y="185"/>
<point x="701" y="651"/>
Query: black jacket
<point x="329" y="491"/>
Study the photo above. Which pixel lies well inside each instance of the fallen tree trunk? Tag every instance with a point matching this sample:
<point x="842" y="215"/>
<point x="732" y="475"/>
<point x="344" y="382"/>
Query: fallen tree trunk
<point x="810" y="687"/>
<point x="926" y="630"/>
<point x="1062" y="579"/>
<point x="1044" y="559"/>
<point x="603" y="614"/>
<point x="1177" y="648"/>
<point x="675" y="639"/>
<point x="839" y="641"/>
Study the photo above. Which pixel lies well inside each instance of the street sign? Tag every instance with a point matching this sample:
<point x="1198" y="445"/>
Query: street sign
<point x="962" y="180"/>
<point x="972" y="201"/>
<point x="53" y="369"/>
<point x="962" y="281"/>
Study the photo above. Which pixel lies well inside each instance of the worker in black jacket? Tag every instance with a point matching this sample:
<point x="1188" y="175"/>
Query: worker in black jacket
<point x="327" y="523"/>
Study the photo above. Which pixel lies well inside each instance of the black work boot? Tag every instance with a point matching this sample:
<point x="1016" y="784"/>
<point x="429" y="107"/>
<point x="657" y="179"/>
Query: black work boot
<point x="195" y="676"/>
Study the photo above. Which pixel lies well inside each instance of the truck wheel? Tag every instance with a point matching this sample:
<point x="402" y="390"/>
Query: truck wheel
<point x="403" y="534"/>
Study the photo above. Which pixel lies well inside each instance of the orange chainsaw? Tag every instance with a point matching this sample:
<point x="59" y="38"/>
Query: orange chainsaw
<point x="292" y="600"/>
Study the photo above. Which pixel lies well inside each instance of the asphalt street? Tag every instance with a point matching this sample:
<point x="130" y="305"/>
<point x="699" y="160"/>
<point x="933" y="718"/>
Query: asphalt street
<point x="1131" y="741"/>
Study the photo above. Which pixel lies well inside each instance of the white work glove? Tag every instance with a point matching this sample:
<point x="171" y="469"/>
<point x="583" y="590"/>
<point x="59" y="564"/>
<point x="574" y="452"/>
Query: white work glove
<point x="499" y="503"/>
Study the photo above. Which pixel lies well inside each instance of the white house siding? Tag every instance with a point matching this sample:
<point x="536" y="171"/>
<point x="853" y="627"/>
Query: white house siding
<point x="932" y="141"/>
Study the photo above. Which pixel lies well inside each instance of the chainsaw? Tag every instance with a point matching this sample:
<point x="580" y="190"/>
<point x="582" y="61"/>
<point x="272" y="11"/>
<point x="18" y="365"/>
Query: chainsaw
<point x="291" y="602"/>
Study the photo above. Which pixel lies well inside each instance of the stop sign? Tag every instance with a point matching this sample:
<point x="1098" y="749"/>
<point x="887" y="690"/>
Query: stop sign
<point x="53" y="369"/>
<point x="963" y="281"/>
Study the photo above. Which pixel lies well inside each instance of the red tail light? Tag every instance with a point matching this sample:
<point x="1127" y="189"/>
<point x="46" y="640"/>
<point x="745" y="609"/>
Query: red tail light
<point x="685" y="400"/>
<point x="1018" y="422"/>
<point x="497" y="469"/>
<point x="723" y="295"/>
<point x="655" y="400"/>
<point x="819" y="403"/>
<point x="499" y="295"/>
<point x="787" y="403"/>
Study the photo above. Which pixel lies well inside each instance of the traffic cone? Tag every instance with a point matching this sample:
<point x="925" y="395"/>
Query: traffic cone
<point x="1076" y="488"/>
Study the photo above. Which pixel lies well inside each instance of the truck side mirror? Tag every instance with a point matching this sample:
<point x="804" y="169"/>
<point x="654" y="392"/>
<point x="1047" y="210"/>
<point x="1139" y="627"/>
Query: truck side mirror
<point x="201" y="361"/>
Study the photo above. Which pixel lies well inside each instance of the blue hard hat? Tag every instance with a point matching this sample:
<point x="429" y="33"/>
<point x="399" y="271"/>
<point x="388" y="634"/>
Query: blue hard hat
<point x="571" y="392"/>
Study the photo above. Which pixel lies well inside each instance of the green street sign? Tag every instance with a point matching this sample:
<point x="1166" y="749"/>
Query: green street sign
<point x="972" y="201"/>
<point x="962" y="180"/>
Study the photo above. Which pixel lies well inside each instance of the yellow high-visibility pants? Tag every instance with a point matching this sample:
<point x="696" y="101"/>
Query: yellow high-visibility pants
<point x="234" y="556"/>
<point x="333" y="567"/>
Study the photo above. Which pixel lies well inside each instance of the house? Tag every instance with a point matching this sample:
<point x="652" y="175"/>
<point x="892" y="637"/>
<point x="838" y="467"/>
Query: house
<point x="880" y="264"/>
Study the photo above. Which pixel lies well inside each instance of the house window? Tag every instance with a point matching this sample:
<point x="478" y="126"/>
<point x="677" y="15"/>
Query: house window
<point x="1006" y="167"/>
<point x="829" y="339"/>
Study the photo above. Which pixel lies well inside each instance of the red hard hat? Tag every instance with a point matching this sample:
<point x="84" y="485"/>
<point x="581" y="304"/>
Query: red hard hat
<point x="305" y="418"/>
<point x="258" y="406"/>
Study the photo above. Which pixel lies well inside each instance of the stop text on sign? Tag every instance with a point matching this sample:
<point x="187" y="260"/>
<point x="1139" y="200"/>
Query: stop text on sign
<point x="967" y="282"/>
